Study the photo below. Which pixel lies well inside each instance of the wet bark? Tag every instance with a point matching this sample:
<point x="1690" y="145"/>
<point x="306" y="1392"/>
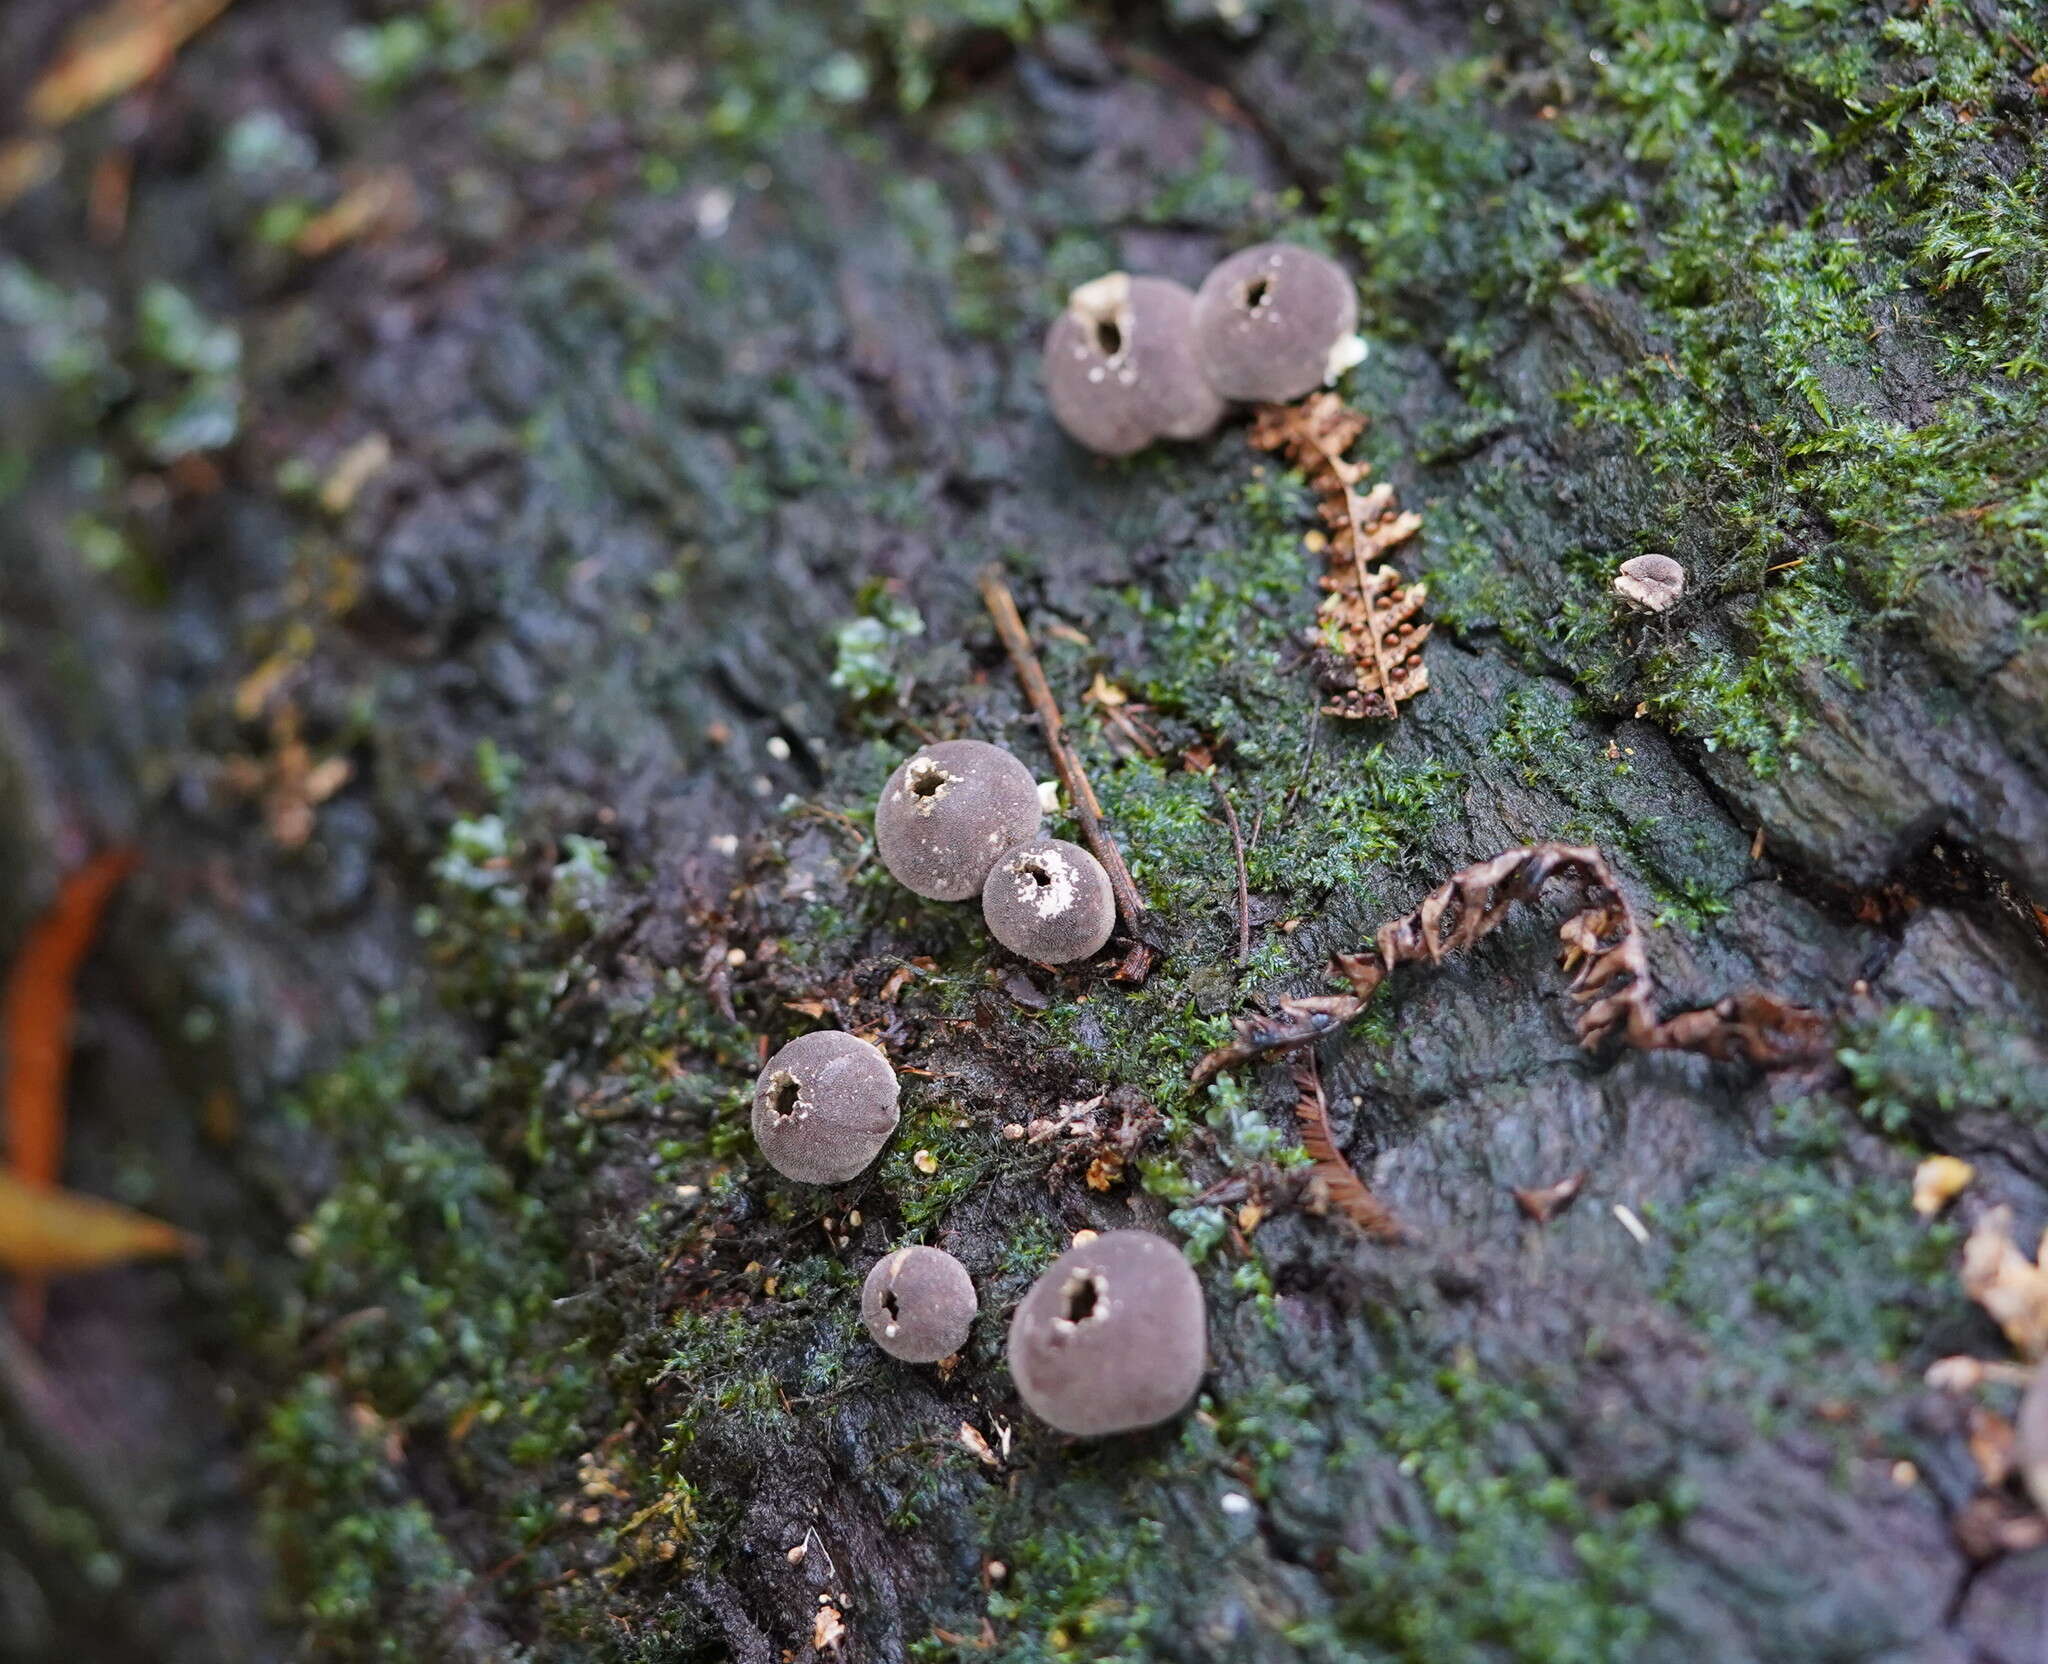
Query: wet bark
<point x="546" y="506"/>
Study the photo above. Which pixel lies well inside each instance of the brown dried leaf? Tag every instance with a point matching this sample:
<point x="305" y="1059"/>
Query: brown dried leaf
<point x="1348" y="1193"/>
<point x="381" y="200"/>
<point x="1990" y="1525"/>
<point x="1991" y="1442"/>
<point x="1295" y="1024"/>
<point x="2008" y="1285"/>
<point x="1544" y="1203"/>
<point x="1600" y="945"/>
<point x="119" y="47"/>
<point x="1370" y="644"/>
<point x="971" y="1438"/>
<point x="27" y="165"/>
<point x="45" y="1231"/>
<point x="2030" y="1439"/>
<point x="1938" y="1181"/>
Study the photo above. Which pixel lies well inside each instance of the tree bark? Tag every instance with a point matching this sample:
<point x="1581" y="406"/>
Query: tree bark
<point x="491" y="499"/>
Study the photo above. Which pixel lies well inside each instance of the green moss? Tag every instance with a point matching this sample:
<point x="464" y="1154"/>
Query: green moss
<point x="1765" y="346"/>
<point x="1512" y="1560"/>
<point x="1915" y="1071"/>
<point x="368" y="1564"/>
<point x="1788" y="1268"/>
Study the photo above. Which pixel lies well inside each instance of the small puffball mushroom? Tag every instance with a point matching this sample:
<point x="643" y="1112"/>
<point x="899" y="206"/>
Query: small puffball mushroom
<point x="1050" y="901"/>
<point x="918" y="1304"/>
<point x="1119" y="370"/>
<point x="949" y="811"/>
<point x="1112" y="1337"/>
<point x="1651" y="582"/>
<point x="824" y="1107"/>
<point x="1274" y="322"/>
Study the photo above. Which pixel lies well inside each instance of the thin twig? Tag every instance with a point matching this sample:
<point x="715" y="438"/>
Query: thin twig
<point x="1244" y="893"/>
<point x="1308" y="757"/>
<point x="1002" y="607"/>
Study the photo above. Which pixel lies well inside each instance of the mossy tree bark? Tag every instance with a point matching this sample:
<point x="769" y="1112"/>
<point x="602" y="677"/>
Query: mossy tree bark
<point x="493" y="631"/>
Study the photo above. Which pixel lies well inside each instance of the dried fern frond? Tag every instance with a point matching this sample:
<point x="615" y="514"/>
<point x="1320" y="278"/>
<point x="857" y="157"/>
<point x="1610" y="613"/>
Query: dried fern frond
<point x="1369" y="644"/>
<point x="1600" y="945"/>
<point x="1347" y="1192"/>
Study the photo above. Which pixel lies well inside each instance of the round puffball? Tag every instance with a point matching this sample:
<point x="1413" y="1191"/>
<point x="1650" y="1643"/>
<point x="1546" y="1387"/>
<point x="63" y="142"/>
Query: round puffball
<point x="1113" y="1336"/>
<point x="918" y="1304"/>
<point x="1049" y="900"/>
<point x="1120" y="368"/>
<point x="824" y="1106"/>
<point x="1268" y="320"/>
<point x="949" y="811"/>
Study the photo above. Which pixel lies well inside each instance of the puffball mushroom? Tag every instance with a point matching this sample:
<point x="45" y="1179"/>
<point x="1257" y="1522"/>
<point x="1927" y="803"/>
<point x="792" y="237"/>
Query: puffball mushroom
<point x="1275" y="321"/>
<point x="918" y="1304"/>
<point x="948" y="811"/>
<point x="1119" y="369"/>
<point x="824" y="1106"/>
<point x="1652" y="583"/>
<point x="1113" y="1336"/>
<point x="1050" y="901"/>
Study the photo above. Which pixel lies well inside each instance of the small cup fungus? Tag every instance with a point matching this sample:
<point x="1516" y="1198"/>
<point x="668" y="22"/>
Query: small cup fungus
<point x="918" y="1304"/>
<point x="1652" y="583"/>
<point x="1112" y="1337"/>
<point x="1050" y="901"/>
<point x="949" y="811"/>
<point x="1274" y="322"/>
<point x="1119" y="370"/>
<point x="824" y="1107"/>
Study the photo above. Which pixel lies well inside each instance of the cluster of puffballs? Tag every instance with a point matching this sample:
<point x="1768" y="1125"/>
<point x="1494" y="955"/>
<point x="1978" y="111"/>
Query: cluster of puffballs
<point x="1135" y="359"/>
<point x="1113" y="1335"/>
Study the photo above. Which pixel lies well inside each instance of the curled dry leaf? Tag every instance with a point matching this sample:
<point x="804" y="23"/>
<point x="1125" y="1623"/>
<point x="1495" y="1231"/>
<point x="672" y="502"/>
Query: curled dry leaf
<point x="1600" y="945"/>
<point x="1293" y="1023"/>
<point x="1371" y="658"/>
<point x="2012" y="1288"/>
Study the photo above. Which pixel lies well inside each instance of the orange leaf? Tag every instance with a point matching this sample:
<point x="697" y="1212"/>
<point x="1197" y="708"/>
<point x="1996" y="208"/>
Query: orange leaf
<point x="45" y="1231"/>
<point x="35" y="1016"/>
<point x="116" y="49"/>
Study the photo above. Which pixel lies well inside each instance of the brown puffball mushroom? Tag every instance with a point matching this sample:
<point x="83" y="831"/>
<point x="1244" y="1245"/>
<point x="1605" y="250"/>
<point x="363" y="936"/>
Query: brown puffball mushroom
<point x="948" y="811"/>
<point x="1050" y="901"/>
<point x="1652" y="583"/>
<point x="824" y="1107"/>
<point x="1119" y="370"/>
<point x="918" y="1304"/>
<point x="1113" y="1336"/>
<point x="1274" y="322"/>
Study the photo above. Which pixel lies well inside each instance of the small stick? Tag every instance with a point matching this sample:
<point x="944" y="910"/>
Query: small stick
<point x="1002" y="607"/>
<point x="1244" y="893"/>
<point x="1308" y="757"/>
